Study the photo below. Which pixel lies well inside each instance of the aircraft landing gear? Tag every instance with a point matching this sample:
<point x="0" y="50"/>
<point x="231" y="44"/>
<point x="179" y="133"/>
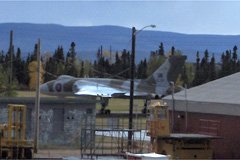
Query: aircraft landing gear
<point x="104" y="111"/>
<point x="104" y="103"/>
<point x="145" y="107"/>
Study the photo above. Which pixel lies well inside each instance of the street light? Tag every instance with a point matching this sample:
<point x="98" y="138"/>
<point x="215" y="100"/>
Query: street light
<point x="132" y="68"/>
<point x="173" y="105"/>
<point x="136" y="31"/>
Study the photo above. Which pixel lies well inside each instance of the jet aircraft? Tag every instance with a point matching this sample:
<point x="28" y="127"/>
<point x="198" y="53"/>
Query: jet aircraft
<point x="154" y="86"/>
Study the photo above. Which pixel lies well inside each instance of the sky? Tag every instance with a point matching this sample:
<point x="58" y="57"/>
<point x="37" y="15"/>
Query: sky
<point x="190" y="17"/>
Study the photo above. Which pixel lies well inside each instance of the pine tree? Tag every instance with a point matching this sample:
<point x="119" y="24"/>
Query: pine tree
<point x="144" y="72"/>
<point x="154" y="62"/>
<point x="223" y="72"/>
<point x="90" y="69"/>
<point x="212" y="69"/>
<point x="117" y="65"/>
<point x="33" y="56"/>
<point x="142" y="69"/>
<point x="58" y="62"/>
<point x="125" y="63"/>
<point x="139" y="70"/>
<point x="82" y="69"/>
<point x="205" y="67"/>
<point x="161" y="49"/>
<point x="70" y="66"/>
<point x="9" y="63"/>
<point x="107" y="67"/>
<point x="234" y="60"/>
<point x="95" y="73"/>
<point x="2" y="57"/>
<point x="226" y="64"/>
<point x="197" y="80"/>
<point x="173" y="51"/>
<point x="101" y="67"/>
<point x="184" y="77"/>
<point x="19" y="67"/>
<point x="49" y="70"/>
<point x="3" y="80"/>
<point x="59" y="55"/>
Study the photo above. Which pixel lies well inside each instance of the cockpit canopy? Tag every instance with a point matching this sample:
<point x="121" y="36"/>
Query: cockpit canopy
<point x="65" y="77"/>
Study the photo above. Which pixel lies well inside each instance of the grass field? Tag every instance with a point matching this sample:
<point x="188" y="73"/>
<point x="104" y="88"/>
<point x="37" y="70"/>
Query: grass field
<point x="115" y="104"/>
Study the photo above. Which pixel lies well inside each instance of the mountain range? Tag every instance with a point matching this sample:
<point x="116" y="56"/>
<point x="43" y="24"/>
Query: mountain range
<point x="115" y="38"/>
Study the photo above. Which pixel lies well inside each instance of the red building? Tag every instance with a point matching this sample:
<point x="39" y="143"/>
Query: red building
<point x="212" y="109"/>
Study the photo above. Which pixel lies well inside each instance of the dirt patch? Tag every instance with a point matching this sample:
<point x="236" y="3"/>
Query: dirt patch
<point x="57" y="153"/>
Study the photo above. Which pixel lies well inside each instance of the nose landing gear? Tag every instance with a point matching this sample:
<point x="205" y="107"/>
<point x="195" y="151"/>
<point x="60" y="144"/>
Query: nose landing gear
<point x="104" y="104"/>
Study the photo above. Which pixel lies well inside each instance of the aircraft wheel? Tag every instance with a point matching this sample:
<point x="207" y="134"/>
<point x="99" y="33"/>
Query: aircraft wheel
<point x="28" y="153"/>
<point x="14" y="153"/>
<point x="108" y="111"/>
<point x="4" y="154"/>
<point x="20" y="153"/>
<point x="102" y="111"/>
<point x="144" y="110"/>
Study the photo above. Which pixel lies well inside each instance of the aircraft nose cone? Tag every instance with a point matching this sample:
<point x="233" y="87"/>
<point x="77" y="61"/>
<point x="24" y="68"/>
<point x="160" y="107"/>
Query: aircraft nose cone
<point x="44" y="88"/>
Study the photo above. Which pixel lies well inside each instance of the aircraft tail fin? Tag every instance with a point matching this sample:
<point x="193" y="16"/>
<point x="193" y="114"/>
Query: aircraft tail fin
<point x="168" y="71"/>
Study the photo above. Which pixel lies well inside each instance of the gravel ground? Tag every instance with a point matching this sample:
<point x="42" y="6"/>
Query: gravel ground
<point x="68" y="154"/>
<point x="57" y="153"/>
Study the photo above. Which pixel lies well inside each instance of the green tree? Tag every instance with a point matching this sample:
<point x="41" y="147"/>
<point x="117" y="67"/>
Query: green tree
<point x="212" y="69"/>
<point x="4" y="84"/>
<point x="33" y="56"/>
<point x="58" y="62"/>
<point x="173" y="51"/>
<point x="205" y="67"/>
<point x="161" y="49"/>
<point x="49" y="70"/>
<point x="184" y="76"/>
<point x="19" y="66"/>
<point x="197" y="77"/>
<point x="234" y="60"/>
<point x="117" y="66"/>
<point x="226" y="64"/>
<point x="88" y="68"/>
<point x="189" y="71"/>
<point x="142" y="69"/>
<point x="71" y="62"/>
<point x="125" y="63"/>
<point x="59" y="55"/>
<point x="82" y="69"/>
<point x="154" y="62"/>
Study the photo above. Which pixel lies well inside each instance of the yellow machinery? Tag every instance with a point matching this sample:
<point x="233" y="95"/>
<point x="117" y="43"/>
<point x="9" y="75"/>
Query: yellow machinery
<point x="177" y="145"/>
<point x="158" y="121"/>
<point x="13" y="143"/>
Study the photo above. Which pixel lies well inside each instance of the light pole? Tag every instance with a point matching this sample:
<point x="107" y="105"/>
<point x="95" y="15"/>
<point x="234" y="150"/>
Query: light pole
<point x="173" y="105"/>
<point x="37" y="101"/>
<point x="132" y="68"/>
<point x="186" y="107"/>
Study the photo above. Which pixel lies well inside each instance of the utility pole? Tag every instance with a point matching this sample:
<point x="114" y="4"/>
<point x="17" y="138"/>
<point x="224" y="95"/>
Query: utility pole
<point x="186" y="111"/>
<point x="131" y="88"/>
<point x="37" y="100"/>
<point x="132" y="68"/>
<point x="173" y="106"/>
<point x="11" y="58"/>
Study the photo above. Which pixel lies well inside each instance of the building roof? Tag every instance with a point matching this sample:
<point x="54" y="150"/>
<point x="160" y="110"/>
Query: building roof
<point x="223" y="90"/>
<point x="188" y="136"/>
